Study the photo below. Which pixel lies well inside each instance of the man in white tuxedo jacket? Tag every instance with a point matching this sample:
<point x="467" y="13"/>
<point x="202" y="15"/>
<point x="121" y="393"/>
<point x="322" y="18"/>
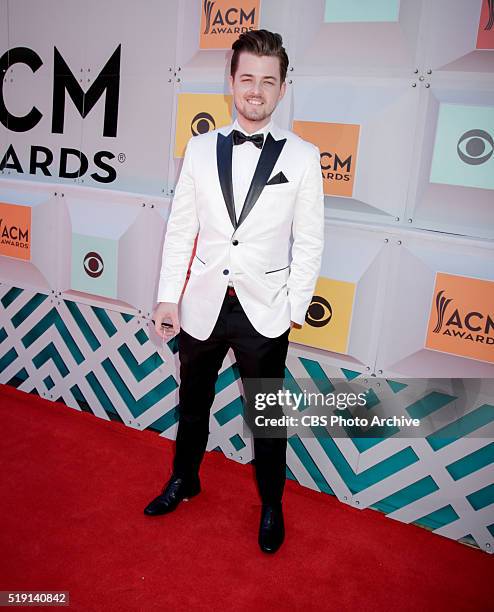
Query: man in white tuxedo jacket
<point x="252" y="194"/>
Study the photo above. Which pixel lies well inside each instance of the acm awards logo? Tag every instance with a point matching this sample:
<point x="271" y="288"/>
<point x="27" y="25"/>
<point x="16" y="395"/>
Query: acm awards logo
<point x="472" y="326"/>
<point x="475" y="147"/>
<point x="338" y="161"/>
<point x="319" y="313"/>
<point x="461" y="319"/>
<point x="335" y="169"/>
<point x="93" y="264"/>
<point x="40" y="158"/>
<point x="13" y="235"/>
<point x="223" y="20"/>
<point x="338" y="145"/>
<point x="15" y="230"/>
<point x="232" y="21"/>
<point x="485" y="35"/>
<point x="490" y="13"/>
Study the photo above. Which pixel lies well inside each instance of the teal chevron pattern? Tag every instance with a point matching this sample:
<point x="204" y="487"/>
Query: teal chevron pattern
<point x="107" y="362"/>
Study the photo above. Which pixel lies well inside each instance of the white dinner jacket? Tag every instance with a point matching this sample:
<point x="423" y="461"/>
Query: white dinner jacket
<point x="272" y="253"/>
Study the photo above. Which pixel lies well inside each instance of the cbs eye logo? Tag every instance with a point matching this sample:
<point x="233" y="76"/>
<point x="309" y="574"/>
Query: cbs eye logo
<point x="202" y="123"/>
<point x="475" y="147"/>
<point x="319" y="312"/>
<point x="93" y="264"/>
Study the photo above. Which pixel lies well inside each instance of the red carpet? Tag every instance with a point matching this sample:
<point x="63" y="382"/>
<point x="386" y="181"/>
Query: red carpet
<point x="73" y="494"/>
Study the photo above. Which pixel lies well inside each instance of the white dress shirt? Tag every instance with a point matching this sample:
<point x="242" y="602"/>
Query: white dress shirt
<point x="244" y="161"/>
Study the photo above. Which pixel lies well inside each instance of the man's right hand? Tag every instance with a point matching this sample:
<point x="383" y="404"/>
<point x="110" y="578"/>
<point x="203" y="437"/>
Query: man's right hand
<point x="166" y="312"/>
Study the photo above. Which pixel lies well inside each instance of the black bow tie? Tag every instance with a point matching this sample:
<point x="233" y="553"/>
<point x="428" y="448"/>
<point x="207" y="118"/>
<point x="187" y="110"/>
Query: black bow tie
<point x="240" y="138"/>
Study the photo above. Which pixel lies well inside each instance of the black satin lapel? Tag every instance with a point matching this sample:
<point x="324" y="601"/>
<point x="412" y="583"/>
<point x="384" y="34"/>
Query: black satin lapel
<point x="268" y="158"/>
<point x="224" y="145"/>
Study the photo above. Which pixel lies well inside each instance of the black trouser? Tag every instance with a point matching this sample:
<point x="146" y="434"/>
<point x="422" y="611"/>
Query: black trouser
<point x="200" y="361"/>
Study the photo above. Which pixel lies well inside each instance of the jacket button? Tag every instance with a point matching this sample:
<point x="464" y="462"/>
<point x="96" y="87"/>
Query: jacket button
<point x="226" y="271"/>
<point x="235" y="242"/>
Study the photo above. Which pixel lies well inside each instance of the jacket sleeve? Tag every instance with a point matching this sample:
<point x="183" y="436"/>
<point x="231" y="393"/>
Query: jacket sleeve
<point x="181" y="231"/>
<point x="308" y="239"/>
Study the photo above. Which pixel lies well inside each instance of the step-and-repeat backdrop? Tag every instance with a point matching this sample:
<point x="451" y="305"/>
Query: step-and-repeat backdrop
<point x="98" y="100"/>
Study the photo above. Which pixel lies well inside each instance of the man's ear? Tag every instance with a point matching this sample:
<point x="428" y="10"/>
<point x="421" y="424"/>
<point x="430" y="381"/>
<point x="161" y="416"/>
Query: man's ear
<point x="282" y="90"/>
<point x="230" y="83"/>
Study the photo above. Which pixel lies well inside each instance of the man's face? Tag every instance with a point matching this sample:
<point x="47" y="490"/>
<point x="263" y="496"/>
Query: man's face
<point x="256" y="86"/>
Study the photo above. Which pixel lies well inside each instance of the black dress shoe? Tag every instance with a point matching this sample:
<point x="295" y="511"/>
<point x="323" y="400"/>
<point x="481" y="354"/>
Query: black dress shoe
<point x="271" y="528"/>
<point x="173" y="493"/>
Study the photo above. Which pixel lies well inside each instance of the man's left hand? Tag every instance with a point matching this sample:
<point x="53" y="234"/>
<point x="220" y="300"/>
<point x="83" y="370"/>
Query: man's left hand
<point x="295" y="325"/>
